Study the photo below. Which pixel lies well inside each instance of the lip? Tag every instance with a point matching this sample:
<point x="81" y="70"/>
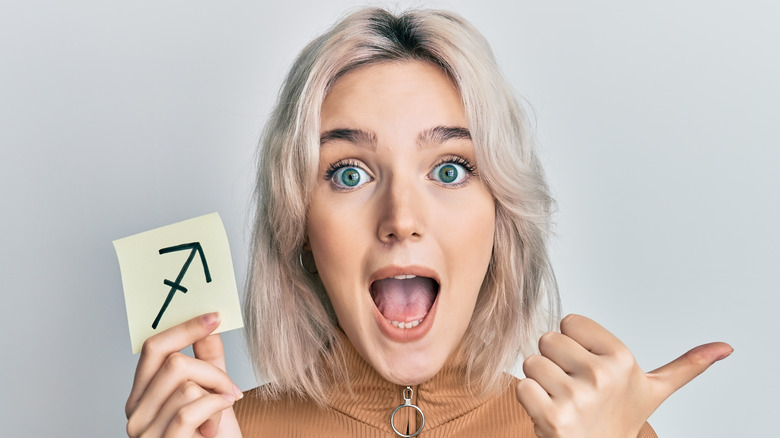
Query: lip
<point x="392" y="271"/>
<point x="411" y="334"/>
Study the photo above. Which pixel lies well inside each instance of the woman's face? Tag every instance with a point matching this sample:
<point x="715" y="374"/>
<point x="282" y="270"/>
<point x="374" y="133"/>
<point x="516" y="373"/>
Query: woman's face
<point x="400" y="224"/>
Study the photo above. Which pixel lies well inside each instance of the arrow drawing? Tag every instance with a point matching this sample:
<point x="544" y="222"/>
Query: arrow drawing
<point x="194" y="247"/>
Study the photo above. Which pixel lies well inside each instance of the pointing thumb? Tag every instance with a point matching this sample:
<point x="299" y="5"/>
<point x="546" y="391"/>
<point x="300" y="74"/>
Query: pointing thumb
<point x="677" y="373"/>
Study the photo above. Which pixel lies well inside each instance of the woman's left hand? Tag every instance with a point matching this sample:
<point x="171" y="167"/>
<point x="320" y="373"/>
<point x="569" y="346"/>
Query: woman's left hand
<point x="586" y="383"/>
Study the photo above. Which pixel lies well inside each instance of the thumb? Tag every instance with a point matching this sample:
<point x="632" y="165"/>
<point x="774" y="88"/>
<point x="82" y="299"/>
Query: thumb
<point x="210" y="349"/>
<point x="677" y="373"/>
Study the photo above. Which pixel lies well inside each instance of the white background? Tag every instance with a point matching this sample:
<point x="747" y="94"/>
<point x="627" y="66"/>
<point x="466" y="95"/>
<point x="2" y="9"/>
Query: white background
<point x="657" y="124"/>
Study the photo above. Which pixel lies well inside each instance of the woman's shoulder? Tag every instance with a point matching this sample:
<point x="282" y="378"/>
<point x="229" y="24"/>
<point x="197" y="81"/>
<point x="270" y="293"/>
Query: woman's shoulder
<point x="258" y="414"/>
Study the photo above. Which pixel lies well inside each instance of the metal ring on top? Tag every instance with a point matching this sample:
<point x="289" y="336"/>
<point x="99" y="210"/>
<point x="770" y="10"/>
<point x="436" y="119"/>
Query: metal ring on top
<point x="407" y="404"/>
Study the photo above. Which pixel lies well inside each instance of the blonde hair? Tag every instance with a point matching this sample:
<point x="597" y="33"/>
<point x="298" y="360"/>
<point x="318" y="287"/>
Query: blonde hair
<point x="290" y="322"/>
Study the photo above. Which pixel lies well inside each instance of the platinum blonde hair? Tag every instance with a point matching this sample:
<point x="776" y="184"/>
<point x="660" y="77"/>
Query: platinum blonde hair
<point x="291" y="324"/>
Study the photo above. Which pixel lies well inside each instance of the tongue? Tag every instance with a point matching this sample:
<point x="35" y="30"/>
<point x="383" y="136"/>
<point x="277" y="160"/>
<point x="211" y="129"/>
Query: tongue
<point x="404" y="300"/>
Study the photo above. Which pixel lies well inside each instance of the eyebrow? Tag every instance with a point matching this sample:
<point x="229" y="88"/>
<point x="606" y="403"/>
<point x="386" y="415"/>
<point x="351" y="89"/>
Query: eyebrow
<point x="354" y="136"/>
<point x="437" y="134"/>
<point x="440" y="134"/>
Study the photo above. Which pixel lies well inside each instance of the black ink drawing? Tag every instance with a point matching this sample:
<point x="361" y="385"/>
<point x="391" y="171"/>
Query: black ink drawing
<point x="176" y="285"/>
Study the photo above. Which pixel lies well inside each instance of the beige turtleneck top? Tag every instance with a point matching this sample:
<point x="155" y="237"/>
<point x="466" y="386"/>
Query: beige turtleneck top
<point x="449" y="409"/>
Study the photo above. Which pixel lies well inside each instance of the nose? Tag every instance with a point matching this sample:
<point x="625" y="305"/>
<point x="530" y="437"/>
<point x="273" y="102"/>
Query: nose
<point x="402" y="212"/>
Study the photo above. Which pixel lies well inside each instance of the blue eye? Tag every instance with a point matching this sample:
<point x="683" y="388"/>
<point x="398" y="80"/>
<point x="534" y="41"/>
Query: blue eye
<point x="349" y="177"/>
<point x="449" y="173"/>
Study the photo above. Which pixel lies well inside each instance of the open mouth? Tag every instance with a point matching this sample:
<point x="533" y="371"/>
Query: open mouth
<point x="404" y="300"/>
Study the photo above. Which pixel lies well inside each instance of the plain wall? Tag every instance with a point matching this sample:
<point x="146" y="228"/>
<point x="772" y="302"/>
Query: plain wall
<point x="657" y="124"/>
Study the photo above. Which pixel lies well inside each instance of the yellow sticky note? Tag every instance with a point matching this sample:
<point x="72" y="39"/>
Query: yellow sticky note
<point x="175" y="273"/>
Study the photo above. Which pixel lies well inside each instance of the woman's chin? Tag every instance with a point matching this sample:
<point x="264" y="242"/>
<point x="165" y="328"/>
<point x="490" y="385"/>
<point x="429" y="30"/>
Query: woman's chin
<point x="409" y="377"/>
<point x="410" y="368"/>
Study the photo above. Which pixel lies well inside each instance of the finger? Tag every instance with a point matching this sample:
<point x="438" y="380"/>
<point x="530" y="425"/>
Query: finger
<point x="210" y="349"/>
<point x="592" y="336"/>
<point x="677" y="373"/>
<point x="210" y="427"/>
<point x="184" y="395"/>
<point x="175" y="372"/>
<point x="535" y="400"/>
<point x="565" y="352"/>
<point x="548" y="375"/>
<point x="158" y="347"/>
<point x="190" y="417"/>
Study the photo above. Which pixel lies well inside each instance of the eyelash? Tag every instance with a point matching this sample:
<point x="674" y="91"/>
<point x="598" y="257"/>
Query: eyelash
<point x="454" y="159"/>
<point x="334" y="167"/>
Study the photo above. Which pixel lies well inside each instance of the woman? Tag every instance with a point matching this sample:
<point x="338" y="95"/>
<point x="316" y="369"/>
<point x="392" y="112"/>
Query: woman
<point x="400" y="266"/>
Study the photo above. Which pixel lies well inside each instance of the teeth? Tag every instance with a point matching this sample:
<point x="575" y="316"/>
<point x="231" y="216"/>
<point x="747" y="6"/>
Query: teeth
<point x="406" y="325"/>
<point x="403" y="277"/>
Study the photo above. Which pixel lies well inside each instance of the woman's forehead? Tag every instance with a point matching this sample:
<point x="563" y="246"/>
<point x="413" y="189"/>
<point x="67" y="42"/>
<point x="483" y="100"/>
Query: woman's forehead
<point x="393" y="95"/>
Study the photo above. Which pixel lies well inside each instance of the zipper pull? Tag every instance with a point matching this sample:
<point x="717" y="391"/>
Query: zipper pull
<point x="407" y="394"/>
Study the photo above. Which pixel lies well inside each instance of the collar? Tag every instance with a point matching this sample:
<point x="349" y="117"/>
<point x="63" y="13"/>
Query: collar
<point x="443" y="398"/>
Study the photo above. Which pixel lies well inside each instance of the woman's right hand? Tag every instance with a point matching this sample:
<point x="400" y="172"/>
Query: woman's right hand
<point x="175" y="395"/>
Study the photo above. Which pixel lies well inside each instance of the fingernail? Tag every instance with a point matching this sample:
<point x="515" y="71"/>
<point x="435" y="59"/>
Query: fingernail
<point x="237" y="391"/>
<point x="725" y="355"/>
<point x="210" y="319"/>
<point x="229" y="397"/>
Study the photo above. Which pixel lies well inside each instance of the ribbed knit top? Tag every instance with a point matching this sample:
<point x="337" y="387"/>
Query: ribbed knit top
<point x="450" y="409"/>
